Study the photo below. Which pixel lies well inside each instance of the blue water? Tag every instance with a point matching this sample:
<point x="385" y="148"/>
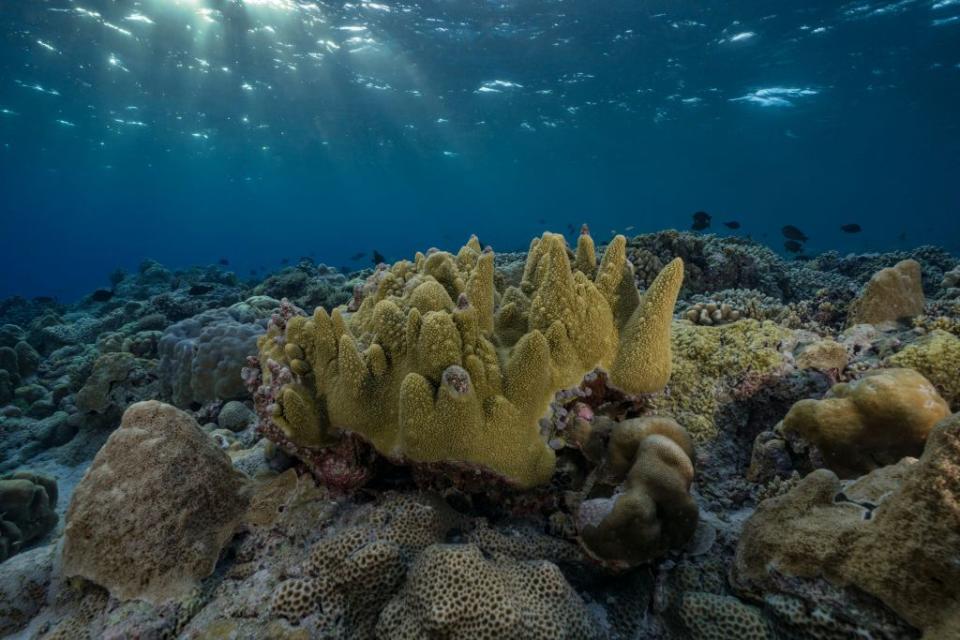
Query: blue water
<point x="258" y="130"/>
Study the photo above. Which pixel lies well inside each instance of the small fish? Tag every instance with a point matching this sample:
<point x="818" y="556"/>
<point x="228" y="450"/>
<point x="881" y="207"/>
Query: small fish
<point x="101" y="295"/>
<point x="224" y="262"/>
<point x="200" y="289"/>
<point x="571" y="228"/>
<point x="793" y="246"/>
<point x="358" y="256"/>
<point x="253" y="272"/>
<point x="378" y="258"/>
<point x="851" y="228"/>
<point x="285" y="261"/>
<point x="733" y="224"/>
<point x="701" y="221"/>
<point x="630" y="228"/>
<point x="541" y="221"/>
<point x="792" y="233"/>
<point x="902" y="237"/>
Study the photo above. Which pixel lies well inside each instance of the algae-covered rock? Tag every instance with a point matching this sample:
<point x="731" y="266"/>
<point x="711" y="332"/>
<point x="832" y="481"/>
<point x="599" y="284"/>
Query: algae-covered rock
<point x="873" y="421"/>
<point x="152" y="513"/>
<point x="435" y="365"/>
<point x="892" y="294"/>
<point x="893" y="534"/>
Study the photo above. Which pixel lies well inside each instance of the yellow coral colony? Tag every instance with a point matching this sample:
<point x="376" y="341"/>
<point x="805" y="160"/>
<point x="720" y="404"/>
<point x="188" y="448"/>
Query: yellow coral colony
<point x="436" y="365"/>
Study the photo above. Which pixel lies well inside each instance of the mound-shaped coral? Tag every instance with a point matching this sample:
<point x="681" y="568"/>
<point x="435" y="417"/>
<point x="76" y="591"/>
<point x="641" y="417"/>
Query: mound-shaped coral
<point x="201" y="357"/>
<point x="649" y="463"/>
<point x="936" y="356"/>
<point x="874" y="421"/>
<point x="453" y="591"/>
<point x="891" y="294"/>
<point x="437" y="366"/>
<point x="27" y="503"/>
<point x="154" y="510"/>
<point x="894" y="534"/>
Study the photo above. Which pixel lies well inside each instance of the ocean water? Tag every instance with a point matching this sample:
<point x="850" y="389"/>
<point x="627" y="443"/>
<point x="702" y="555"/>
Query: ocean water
<point x="262" y="130"/>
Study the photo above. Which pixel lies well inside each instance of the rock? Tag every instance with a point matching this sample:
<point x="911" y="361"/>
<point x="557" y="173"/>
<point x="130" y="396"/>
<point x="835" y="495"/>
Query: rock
<point x="28" y="360"/>
<point x="823" y="355"/>
<point x="152" y="513"/>
<point x="235" y="416"/>
<point x="24" y="583"/>
<point x="892" y="294"/>
<point x="117" y="380"/>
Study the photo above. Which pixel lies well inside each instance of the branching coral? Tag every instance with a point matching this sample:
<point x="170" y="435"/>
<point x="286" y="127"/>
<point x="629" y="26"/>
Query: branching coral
<point x="873" y="421"/>
<point x="437" y="366"/>
<point x="649" y="461"/>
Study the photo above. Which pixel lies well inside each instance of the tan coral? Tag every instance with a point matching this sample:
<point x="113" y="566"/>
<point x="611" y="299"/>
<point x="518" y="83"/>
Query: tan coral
<point x="649" y="461"/>
<point x="892" y="294"/>
<point x="891" y="534"/>
<point x="873" y="421"/>
<point x="434" y="366"/>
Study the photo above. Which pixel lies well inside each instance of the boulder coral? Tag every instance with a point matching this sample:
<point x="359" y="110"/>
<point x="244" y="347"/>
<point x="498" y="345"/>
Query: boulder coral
<point x="150" y="516"/>
<point x="892" y="294"/>
<point x="27" y="503"/>
<point x="650" y="465"/>
<point x="893" y="534"/>
<point x="436" y="365"/>
<point x="871" y="422"/>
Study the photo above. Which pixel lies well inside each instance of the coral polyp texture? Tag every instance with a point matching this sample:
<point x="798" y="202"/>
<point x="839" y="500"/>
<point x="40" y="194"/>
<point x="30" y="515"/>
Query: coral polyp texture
<point x="649" y="465"/>
<point x="873" y="421"/>
<point x="437" y="365"/>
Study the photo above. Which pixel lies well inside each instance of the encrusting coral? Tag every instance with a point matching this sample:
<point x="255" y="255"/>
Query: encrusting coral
<point x="893" y="534"/>
<point x="891" y="294"/>
<point x="873" y="421"/>
<point x="936" y="356"/>
<point x="650" y="463"/>
<point x="436" y="365"/>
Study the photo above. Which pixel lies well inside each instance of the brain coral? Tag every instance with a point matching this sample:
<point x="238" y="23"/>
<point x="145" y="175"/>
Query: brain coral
<point x="894" y="534"/>
<point x="436" y="365"/>
<point x="891" y="294"/>
<point x="201" y="357"/>
<point x="150" y="516"/>
<point x="876" y="420"/>
<point x="936" y="356"/>
<point x="651" y="510"/>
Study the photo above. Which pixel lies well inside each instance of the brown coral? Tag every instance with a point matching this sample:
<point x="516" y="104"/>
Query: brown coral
<point x="876" y="420"/>
<point x="892" y="294"/>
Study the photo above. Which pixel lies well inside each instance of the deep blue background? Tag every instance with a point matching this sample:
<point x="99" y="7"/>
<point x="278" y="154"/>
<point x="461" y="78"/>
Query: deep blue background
<point x="597" y="132"/>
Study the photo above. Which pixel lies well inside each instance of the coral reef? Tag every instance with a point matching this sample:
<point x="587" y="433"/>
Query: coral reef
<point x="308" y="286"/>
<point x="887" y="534"/>
<point x="149" y="518"/>
<point x="936" y="356"/>
<point x="871" y="422"/>
<point x="410" y="365"/>
<point x="892" y="294"/>
<point x="27" y="503"/>
<point x="201" y="357"/>
<point x="710" y="313"/>
<point x="647" y="509"/>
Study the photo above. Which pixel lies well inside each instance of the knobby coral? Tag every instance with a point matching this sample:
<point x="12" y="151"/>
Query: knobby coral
<point x="436" y="365"/>
<point x="873" y="421"/>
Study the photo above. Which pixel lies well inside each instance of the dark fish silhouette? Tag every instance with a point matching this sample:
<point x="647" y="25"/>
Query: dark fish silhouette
<point x="224" y="262"/>
<point x="200" y="289"/>
<point x="253" y="272"/>
<point x="101" y="295"/>
<point x="851" y="228"/>
<point x="793" y="246"/>
<point x="902" y="237"/>
<point x="701" y="221"/>
<point x="377" y="258"/>
<point x="358" y="255"/>
<point x="792" y="233"/>
<point x="733" y="224"/>
<point x="285" y="261"/>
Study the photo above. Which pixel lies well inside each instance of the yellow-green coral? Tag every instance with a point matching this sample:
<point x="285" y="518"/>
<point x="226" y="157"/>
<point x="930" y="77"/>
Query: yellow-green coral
<point x="936" y="356"/>
<point x="708" y="360"/>
<point x="870" y="422"/>
<point x="435" y="365"/>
